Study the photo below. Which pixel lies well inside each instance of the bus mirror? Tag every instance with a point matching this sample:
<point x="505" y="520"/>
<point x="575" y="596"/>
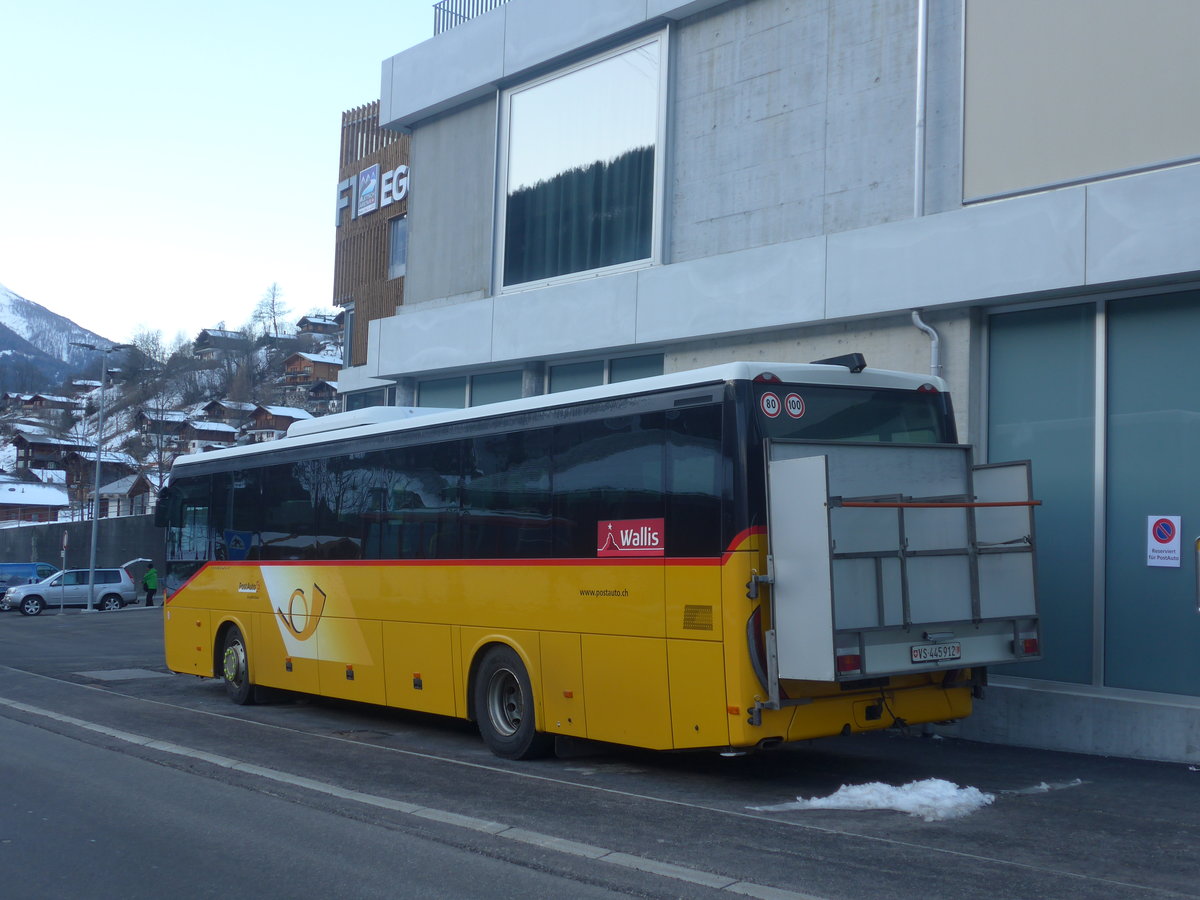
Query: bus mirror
<point x="167" y="498"/>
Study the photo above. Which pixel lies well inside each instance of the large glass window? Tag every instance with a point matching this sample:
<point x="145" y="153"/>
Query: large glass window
<point x="581" y="164"/>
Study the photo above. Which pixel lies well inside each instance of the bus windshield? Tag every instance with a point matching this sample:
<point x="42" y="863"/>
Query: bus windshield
<point x="834" y="413"/>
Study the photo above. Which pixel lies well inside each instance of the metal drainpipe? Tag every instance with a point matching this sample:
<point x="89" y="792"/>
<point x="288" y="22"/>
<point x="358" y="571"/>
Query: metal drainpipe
<point x="935" y="344"/>
<point x="919" y="124"/>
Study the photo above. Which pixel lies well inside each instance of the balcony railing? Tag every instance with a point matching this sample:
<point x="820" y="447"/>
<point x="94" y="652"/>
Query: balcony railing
<point x="448" y="13"/>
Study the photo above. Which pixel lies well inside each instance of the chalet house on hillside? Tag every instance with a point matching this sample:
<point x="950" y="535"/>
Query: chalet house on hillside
<point x="30" y="502"/>
<point x="12" y="399"/>
<point x="231" y="412"/>
<point x="43" y="451"/>
<point x="80" y="466"/>
<point x="49" y="401"/>
<point x="305" y="368"/>
<point x="199" y="435"/>
<point x="322" y="391"/>
<point x="214" y="343"/>
<point x="319" y="325"/>
<point x="166" y="422"/>
<point x="271" y="422"/>
<point x="132" y="495"/>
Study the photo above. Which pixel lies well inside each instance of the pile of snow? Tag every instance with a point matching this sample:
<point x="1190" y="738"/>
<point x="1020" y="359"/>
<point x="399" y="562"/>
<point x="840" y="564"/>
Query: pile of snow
<point x="933" y="799"/>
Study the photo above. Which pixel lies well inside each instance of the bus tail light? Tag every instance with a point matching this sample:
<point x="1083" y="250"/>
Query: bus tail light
<point x="1027" y="644"/>
<point x="927" y="388"/>
<point x="849" y="663"/>
<point x="767" y="378"/>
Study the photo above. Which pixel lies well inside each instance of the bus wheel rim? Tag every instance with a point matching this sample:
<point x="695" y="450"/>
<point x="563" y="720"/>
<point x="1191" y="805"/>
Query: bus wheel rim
<point x="506" y="704"/>
<point x="235" y="662"/>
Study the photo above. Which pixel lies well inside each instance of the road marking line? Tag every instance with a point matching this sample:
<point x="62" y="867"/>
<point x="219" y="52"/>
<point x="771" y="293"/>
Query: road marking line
<point x="498" y="829"/>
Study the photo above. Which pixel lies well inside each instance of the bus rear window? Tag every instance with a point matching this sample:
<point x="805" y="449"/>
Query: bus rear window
<point x="876" y="415"/>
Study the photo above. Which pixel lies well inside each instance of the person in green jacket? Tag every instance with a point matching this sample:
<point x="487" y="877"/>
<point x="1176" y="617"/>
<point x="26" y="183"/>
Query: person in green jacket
<point x="150" y="584"/>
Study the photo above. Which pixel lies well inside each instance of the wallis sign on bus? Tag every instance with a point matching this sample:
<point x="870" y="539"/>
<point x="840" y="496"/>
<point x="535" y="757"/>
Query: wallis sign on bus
<point x="631" y="537"/>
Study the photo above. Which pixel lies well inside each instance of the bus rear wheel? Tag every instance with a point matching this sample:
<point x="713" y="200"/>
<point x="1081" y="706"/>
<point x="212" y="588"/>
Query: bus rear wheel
<point x="504" y="707"/>
<point x="235" y="668"/>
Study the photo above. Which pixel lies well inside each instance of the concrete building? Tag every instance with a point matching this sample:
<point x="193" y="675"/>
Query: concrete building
<point x="1003" y="191"/>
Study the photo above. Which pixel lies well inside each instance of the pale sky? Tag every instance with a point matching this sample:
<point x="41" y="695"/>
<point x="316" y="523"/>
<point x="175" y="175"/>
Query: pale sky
<point x="163" y="163"/>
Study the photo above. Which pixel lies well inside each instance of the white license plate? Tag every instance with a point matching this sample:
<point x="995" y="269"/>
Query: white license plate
<point x="922" y="653"/>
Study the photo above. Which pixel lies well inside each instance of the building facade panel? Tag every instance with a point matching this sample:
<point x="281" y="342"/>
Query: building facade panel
<point x="427" y="339"/>
<point x="532" y="324"/>
<point x="1144" y="226"/>
<point x="764" y="287"/>
<point x="541" y="30"/>
<point x="1020" y="247"/>
<point x="451" y="250"/>
<point x="1077" y="89"/>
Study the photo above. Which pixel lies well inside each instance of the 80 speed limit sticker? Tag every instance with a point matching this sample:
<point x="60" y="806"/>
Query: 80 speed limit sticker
<point x="769" y="404"/>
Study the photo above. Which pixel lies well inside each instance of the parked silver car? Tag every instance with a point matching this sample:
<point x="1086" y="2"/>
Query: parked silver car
<point x="114" y="588"/>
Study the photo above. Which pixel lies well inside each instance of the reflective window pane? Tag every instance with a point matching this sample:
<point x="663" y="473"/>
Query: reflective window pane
<point x="581" y="168"/>
<point x="576" y="375"/>
<point x="444" y="393"/>
<point x="635" y="367"/>
<point x="495" y="387"/>
<point x="397" y="247"/>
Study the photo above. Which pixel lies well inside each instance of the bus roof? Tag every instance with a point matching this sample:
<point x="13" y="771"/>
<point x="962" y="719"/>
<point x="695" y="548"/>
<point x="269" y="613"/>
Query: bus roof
<point x="383" y="420"/>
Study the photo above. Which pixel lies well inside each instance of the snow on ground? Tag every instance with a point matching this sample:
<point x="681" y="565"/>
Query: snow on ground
<point x="933" y="799"/>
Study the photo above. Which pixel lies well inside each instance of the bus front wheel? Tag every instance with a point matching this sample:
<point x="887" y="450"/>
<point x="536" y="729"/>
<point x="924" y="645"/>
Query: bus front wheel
<point x="235" y="668"/>
<point x="504" y="707"/>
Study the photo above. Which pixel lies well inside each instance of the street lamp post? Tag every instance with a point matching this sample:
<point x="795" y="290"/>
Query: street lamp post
<point x="91" y="604"/>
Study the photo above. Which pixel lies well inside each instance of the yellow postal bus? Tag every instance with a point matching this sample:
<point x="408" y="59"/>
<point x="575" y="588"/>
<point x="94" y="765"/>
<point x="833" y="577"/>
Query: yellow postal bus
<point x="725" y="558"/>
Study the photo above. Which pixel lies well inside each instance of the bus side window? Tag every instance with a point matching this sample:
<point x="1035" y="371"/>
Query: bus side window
<point x="426" y="500"/>
<point x="693" y="482"/>
<point x="507" y="510"/>
<point x="606" y="470"/>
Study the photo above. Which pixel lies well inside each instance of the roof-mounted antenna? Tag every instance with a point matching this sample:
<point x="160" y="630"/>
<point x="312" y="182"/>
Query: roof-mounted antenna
<point x="855" y="362"/>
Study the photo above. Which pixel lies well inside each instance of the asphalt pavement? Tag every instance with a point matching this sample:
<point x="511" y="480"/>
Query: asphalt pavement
<point x="1058" y="825"/>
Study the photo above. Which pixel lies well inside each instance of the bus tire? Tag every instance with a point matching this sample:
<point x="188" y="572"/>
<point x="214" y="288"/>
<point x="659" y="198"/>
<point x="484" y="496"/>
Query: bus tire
<point x="504" y="707"/>
<point x="235" y="668"/>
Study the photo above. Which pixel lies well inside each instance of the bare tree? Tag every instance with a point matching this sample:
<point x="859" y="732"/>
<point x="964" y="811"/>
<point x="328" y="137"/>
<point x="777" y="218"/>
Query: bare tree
<point x="149" y="342"/>
<point x="269" y="312"/>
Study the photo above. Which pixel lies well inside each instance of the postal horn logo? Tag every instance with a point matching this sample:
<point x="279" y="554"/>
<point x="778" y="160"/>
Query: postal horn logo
<point x="302" y="617"/>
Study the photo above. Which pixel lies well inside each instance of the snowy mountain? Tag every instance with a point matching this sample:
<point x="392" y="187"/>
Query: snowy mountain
<point x="35" y="345"/>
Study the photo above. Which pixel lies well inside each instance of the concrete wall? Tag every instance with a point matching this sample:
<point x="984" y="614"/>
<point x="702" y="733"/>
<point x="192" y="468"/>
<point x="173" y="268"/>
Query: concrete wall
<point x="824" y="93"/>
<point x="118" y="540"/>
